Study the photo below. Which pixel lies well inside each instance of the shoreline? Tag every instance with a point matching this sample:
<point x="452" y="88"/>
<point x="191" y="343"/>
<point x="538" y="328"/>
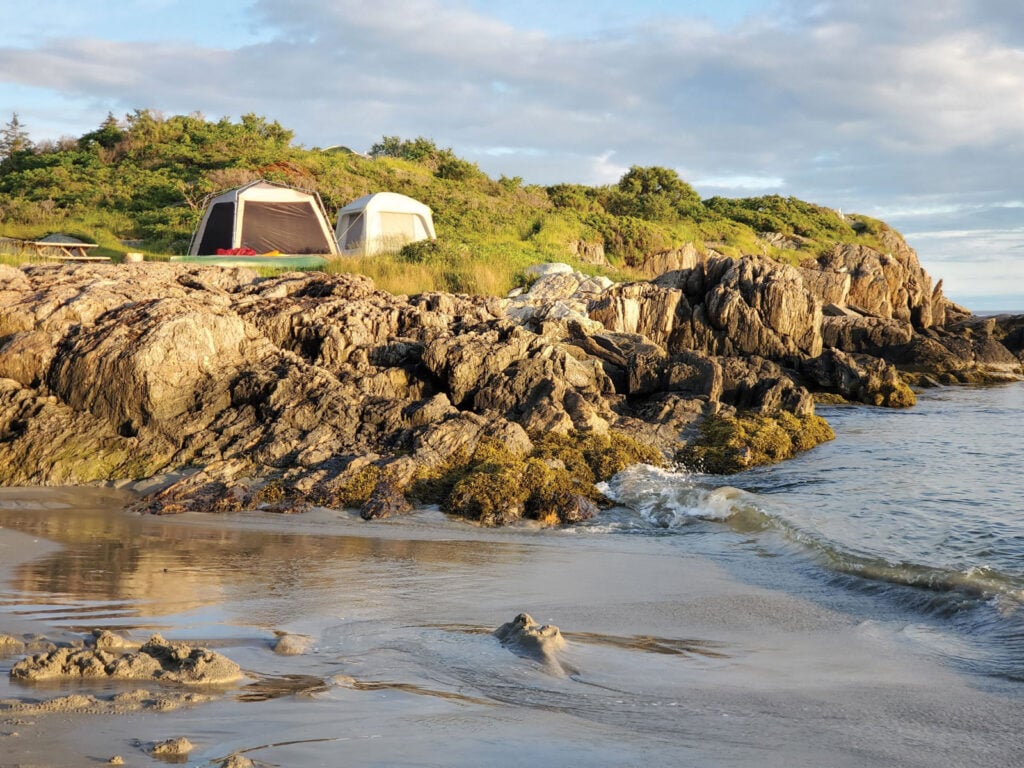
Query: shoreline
<point x="398" y="620"/>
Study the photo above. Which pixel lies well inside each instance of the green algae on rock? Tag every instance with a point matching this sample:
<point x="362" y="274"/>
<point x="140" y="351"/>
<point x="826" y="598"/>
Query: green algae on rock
<point x="729" y="444"/>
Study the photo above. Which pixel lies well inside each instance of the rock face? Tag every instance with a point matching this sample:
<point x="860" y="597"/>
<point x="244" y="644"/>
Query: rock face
<point x="890" y="285"/>
<point x="319" y="389"/>
<point x="724" y="306"/>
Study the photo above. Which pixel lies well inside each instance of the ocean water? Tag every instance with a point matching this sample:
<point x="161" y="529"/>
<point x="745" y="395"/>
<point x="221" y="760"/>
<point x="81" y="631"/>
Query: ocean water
<point x="860" y="605"/>
<point x="921" y="509"/>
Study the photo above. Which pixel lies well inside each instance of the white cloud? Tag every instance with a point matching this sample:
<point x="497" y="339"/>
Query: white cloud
<point x="603" y="170"/>
<point x="740" y="182"/>
<point x="913" y="109"/>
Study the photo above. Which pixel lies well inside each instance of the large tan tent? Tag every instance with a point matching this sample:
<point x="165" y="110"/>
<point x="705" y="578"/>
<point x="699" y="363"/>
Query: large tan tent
<point x="382" y="222"/>
<point x="263" y="217"/>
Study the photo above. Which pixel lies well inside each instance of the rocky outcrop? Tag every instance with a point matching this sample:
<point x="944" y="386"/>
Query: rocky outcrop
<point x="859" y="378"/>
<point x="685" y="257"/>
<point x="974" y="350"/>
<point x="310" y="388"/>
<point x="723" y="306"/>
<point x="888" y="284"/>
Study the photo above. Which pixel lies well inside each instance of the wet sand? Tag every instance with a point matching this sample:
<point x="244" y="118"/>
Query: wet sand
<point x="669" y="659"/>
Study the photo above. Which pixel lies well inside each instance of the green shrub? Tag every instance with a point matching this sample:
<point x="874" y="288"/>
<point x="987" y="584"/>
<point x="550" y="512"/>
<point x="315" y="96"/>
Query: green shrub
<point x="145" y="177"/>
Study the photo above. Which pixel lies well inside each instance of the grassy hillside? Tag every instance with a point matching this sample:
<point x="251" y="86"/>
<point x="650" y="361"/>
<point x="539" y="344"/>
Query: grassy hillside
<point x="143" y="181"/>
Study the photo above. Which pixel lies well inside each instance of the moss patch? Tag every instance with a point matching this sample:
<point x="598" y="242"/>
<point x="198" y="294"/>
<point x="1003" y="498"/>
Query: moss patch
<point x="593" y="457"/>
<point x="731" y="444"/>
<point x="830" y="398"/>
<point x="554" y="484"/>
<point x="353" y="491"/>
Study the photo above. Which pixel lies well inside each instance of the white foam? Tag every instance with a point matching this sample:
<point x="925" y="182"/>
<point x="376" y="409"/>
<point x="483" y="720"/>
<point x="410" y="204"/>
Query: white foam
<point x="669" y="499"/>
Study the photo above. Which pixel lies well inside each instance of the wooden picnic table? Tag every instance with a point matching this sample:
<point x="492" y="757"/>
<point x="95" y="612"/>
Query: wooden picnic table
<point x="48" y="249"/>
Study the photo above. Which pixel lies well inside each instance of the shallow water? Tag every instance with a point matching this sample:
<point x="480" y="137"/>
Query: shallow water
<point x="706" y="624"/>
<point x="924" y="507"/>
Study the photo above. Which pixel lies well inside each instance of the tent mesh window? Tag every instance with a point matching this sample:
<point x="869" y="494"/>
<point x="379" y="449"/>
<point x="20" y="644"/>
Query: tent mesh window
<point x="351" y="229"/>
<point x="219" y="228"/>
<point x="285" y="227"/>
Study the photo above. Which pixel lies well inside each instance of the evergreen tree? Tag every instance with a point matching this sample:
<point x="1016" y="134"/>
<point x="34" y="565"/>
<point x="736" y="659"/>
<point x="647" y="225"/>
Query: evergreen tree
<point x="14" y="138"/>
<point x="106" y="136"/>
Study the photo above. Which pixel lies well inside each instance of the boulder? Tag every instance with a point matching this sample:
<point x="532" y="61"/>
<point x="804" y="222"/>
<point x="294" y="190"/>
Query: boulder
<point x="166" y="364"/>
<point x="549" y="268"/>
<point x="386" y="500"/>
<point x="859" y="378"/>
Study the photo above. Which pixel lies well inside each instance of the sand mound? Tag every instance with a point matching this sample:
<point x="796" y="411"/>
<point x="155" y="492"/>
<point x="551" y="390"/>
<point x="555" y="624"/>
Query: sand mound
<point x="157" y="660"/>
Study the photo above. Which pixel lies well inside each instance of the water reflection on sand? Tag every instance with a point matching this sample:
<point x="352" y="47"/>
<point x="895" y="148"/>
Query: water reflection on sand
<point x="674" y="661"/>
<point x="116" y="569"/>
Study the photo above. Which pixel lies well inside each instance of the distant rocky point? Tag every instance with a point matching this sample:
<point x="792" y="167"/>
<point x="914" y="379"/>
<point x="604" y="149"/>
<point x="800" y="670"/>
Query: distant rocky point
<point x="311" y="388"/>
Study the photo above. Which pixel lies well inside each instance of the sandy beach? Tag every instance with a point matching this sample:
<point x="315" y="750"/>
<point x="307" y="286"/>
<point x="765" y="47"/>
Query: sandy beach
<point x="669" y="659"/>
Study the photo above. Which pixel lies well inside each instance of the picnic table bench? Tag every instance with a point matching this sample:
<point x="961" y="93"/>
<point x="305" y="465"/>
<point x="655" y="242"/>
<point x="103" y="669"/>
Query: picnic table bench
<point x="50" y="249"/>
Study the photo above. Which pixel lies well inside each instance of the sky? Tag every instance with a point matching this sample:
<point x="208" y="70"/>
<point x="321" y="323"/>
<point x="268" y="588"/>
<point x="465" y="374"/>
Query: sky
<point x="911" y="111"/>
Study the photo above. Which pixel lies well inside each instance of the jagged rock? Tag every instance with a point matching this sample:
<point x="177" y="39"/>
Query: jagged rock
<point x="386" y="500"/>
<point x="25" y="356"/>
<point x="695" y="375"/>
<point x="686" y="257"/>
<point x="149" y="363"/>
<point x="720" y="307"/>
<point x="1009" y="331"/>
<point x="589" y="253"/>
<point x="46" y="442"/>
<point x="294" y="387"/>
<point x="890" y="285"/>
<point x="852" y="332"/>
<point x="555" y="285"/>
<point x="828" y="280"/>
<point x="754" y="383"/>
<point x="462" y="362"/>
<point x="548" y="389"/>
<point x="973" y="350"/>
<point x="834" y="310"/>
<point x="595" y="284"/>
<point x="859" y="378"/>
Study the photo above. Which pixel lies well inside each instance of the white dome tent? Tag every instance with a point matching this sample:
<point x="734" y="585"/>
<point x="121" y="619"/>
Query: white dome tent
<point x="263" y="217"/>
<point x="382" y="222"/>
